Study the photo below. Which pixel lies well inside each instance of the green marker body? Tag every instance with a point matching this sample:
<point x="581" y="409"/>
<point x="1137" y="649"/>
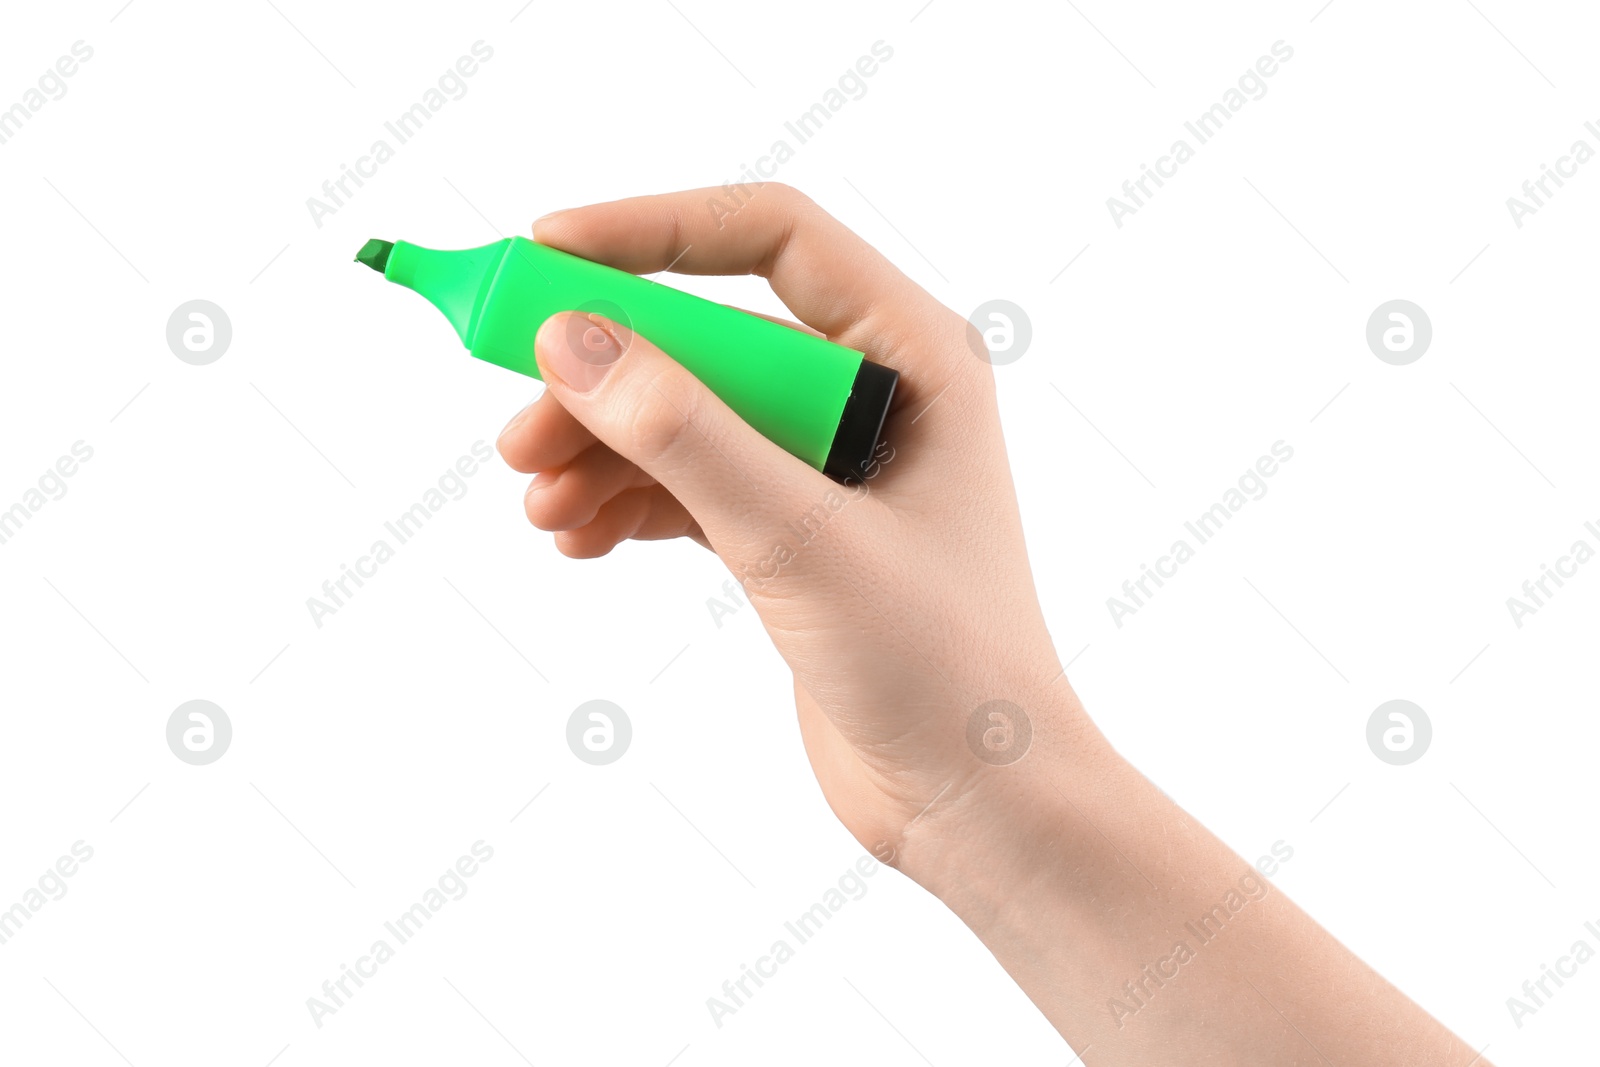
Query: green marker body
<point x="819" y="401"/>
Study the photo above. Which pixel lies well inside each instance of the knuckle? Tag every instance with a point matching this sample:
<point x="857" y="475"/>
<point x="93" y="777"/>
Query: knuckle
<point x="664" y="420"/>
<point x="786" y="200"/>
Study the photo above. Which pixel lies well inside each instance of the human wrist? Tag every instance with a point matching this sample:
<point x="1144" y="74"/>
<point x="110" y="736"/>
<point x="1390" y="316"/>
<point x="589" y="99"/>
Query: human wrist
<point x="1002" y="829"/>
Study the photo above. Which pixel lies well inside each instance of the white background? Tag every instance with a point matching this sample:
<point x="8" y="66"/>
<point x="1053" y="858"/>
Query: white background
<point x="368" y="754"/>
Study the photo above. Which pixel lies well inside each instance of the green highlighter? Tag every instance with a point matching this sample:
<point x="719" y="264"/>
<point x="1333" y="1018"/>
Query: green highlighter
<point x="822" y="402"/>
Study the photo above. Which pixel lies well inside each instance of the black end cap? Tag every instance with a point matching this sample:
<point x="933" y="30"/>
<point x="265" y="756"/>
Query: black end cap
<point x="856" y="440"/>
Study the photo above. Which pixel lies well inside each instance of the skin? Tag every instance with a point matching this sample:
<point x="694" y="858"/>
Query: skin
<point x="910" y="606"/>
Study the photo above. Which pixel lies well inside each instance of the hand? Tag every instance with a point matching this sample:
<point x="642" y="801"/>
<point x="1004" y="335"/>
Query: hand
<point x="901" y="603"/>
<point x="904" y="605"/>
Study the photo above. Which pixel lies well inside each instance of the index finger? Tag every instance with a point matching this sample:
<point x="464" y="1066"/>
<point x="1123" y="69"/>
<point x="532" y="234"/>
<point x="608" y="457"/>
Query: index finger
<point x="822" y="271"/>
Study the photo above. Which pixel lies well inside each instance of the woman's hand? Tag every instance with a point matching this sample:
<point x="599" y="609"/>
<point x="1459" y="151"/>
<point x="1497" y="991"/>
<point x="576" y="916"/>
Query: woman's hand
<point x="904" y="603"/>
<point x="932" y="704"/>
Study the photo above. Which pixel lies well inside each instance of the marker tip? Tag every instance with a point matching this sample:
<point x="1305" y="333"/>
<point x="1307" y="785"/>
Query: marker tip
<point x="375" y="254"/>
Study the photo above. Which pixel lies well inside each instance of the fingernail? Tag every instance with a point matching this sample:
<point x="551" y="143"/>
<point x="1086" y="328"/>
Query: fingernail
<point x="583" y="351"/>
<point x="515" y="419"/>
<point x="550" y="215"/>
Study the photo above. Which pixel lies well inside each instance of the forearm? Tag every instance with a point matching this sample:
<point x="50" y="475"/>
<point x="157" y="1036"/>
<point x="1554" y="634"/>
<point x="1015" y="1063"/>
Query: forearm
<point x="1141" y="936"/>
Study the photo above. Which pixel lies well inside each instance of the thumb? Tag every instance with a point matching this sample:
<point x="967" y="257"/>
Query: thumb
<point x="650" y="410"/>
